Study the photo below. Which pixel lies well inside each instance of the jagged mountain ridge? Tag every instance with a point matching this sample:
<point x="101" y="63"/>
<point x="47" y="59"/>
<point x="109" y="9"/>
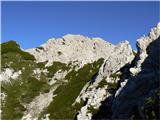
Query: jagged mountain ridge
<point x="75" y="77"/>
<point x="74" y="48"/>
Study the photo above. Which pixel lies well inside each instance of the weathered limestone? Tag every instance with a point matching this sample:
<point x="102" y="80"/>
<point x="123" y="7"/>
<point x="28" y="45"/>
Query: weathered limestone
<point x="122" y="55"/>
<point x="144" y="78"/>
<point x="59" y="75"/>
<point x="38" y="105"/>
<point x="72" y="48"/>
<point x="9" y="74"/>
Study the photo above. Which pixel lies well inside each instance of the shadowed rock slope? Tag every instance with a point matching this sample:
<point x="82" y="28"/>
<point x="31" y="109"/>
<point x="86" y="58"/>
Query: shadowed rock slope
<point x="139" y="97"/>
<point x="137" y="94"/>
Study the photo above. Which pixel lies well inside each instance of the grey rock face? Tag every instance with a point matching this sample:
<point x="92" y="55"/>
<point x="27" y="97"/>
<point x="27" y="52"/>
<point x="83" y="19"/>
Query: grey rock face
<point x="122" y="55"/>
<point x="146" y="79"/>
<point x="9" y="74"/>
<point x="73" y="48"/>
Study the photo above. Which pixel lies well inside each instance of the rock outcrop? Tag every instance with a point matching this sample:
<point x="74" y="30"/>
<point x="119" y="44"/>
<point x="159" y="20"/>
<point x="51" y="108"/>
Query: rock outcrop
<point x="93" y="94"/>
<point x="143" y="80"/>
<point x="9" y="74"/>
<point x="77" y="49"/>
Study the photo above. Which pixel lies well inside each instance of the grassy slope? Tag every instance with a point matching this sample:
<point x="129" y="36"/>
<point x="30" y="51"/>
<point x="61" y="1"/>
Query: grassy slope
<point x="61" y="107"/>
<point x="26" y="87"/>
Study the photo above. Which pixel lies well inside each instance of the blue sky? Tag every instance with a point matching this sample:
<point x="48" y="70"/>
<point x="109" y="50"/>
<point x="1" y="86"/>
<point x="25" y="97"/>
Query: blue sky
<point x="33" y="23"/>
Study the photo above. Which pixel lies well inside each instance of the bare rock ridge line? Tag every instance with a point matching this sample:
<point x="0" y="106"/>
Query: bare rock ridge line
<point x="76" y="77"/>
<point x="75" y="48"/>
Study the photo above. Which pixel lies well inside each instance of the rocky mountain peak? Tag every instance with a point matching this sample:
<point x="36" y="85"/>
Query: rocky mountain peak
<point x="74" y="37"/>
<point x="142" y="44"/>
<point x="144" y="41"/>
<point x="75" y="48"/>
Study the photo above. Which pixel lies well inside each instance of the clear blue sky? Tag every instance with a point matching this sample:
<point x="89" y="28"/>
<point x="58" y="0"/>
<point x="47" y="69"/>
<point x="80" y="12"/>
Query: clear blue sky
<point x="33" y="23"/>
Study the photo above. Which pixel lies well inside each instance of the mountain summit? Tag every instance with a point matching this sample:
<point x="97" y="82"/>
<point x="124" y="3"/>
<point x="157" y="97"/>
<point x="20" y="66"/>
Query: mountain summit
<point x="75" y="48"/>
<point x="76" y="77"/>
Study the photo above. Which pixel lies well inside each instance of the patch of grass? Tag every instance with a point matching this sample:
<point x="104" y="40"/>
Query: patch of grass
<point x="42" y="64"/>
<point x="15" y="61"/>
<point x="112" y="85"/>
<point x="92" y="110"/>
<point x="150" y="108"/>
<point x="61" y="107"/>
<point x="12" y="46"/>
<point x="79" y="105"/>
<point x="40" y="48"/>
<point x="102" y="83"/>
<point x="59" y="53"/>
<point x="109" y="84"/>
<point x="24" y="89"/>
<point x="57" y="66"/>
<point x="115" y="75"/>
<point x="18" y="92"/>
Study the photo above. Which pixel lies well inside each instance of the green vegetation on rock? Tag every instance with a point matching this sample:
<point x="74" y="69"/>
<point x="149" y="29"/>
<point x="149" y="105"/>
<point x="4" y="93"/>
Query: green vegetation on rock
<point x="92" y="110"/>
<point x="149" y="110"/>
<point x="25" y="88"/>
<point x="59" y="53"/>
<point x="115" y="75"/>
<point x="12" y="46"/>
<point x="40" y="48"/>
<point x="61" y="107"/>
<point x="109" y="84"/>
<point x="102" y="83"/>
<point x="57" y="66"/>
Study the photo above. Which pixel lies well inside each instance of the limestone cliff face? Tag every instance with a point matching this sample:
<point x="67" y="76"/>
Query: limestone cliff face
<point x="144" y="79"/>
<point x="95" y="94"/>
<point x="77" y="49"/>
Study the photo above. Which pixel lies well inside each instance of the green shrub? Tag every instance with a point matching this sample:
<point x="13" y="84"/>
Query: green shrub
<point x="110" y="85"/>
<point x="40" y="48"/>
<point x="12" y="46"/>
<point x="41" y="64"/>
<point x="57" y="66"/>
<point x="102" y="83"/>
<point x="59" y="53"/>
<point x="150" y="108"/>
<point x="92" y="110"/>
<point x="115" y="75"/>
